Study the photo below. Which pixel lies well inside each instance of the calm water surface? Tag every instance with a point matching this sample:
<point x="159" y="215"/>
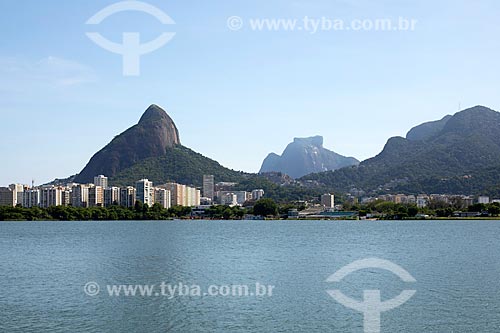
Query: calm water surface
<point x="44" y="267"/>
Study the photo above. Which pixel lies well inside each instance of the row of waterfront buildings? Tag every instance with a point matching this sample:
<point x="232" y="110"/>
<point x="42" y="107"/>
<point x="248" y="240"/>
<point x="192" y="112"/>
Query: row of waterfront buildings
<point x="99" y="194"/>
<point x="423" y="200"/>
<point x="223" y="193"/>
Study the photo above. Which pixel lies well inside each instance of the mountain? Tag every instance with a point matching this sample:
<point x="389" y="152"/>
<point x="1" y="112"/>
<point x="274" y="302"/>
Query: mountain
<point x="152" y="149"/>
<point x="427" y="130"/>
<point x="457" y="154"/>
<point x="304" y="156"/>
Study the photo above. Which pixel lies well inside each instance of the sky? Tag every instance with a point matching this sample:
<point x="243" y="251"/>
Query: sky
<point x="236" y="93"/>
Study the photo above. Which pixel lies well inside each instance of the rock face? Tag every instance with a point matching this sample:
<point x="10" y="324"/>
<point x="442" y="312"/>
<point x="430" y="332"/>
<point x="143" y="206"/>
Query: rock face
<point x="151" y="137"/>
<point x="457" y="154"/>
<point x="304" y="156"/>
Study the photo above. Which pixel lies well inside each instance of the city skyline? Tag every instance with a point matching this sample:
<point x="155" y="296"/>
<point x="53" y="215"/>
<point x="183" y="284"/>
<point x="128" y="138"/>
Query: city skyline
<point x="99" y="193"/>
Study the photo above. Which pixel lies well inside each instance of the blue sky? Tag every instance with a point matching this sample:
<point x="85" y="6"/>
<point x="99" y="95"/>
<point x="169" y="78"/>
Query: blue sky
<point x="236" y="95"/>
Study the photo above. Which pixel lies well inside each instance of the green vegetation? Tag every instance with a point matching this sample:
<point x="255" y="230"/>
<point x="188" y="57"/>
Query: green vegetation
<point x="265" y="207"/>
<point x="138" y="212"/>
<point x="179" y="164"/>
<point x="388" y="210"/>
<point x="184" y="166"/>
<point x="463" y="157"/>
<point x="68" y="213"/>
<point x="282" y="194"/>
<point x="393" y="211"/>
<point x="154" y="132"/>
<point x="226" y="213"/>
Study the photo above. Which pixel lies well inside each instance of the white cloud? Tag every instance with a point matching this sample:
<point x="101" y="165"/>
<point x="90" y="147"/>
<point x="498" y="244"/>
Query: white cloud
<point x="16" y="73"/>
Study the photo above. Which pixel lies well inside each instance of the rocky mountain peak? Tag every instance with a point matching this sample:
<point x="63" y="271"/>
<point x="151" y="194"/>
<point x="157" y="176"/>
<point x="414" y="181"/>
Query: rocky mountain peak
<point x="150" y="137"/>
<point x="304" y="156"/>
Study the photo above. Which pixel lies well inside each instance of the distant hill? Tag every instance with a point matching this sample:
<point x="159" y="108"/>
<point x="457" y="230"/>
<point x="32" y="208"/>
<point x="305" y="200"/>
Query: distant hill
<point x="152" y="149"/>
<point x="304" y="156"/>
<point x="457" y="154"/>
<point x="427" y="130"/>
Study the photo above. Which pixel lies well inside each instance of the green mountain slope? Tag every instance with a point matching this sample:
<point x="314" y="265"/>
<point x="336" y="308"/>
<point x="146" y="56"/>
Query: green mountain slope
<point x="178" y="164"/>
<point x="458" y="158"/>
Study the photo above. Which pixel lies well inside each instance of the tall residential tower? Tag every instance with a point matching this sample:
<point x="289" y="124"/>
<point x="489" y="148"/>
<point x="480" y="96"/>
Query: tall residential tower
<point x="208" y="186"/>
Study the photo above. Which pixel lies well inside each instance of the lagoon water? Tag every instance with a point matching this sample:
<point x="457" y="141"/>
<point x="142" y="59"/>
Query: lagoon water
<point x="44" y="267"/>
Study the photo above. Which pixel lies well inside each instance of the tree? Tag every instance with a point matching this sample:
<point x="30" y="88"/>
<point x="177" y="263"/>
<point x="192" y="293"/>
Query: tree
<point x="412" y="211"/>
<point x="494" y="209"/>
<point x="227" y="213"/>
<point x="478" y="207"/>
<point x="265" y="207"/>
<point x="139" y="206"/>
<point x="179" y="211"/>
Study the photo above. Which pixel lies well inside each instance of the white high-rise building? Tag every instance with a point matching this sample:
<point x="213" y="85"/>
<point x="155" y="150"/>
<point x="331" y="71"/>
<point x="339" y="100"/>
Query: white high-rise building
<point x="162" y="196"/>
<point x="182" y="195"/>
<point x="257" y="194"/>
<point x="145" y="192"/>
<point x="101" y="180"/>
<point x="177" y="193"/>
<point x="328" y="200"/>
<point x="127" y="196"/>
<point x="96" y="196"/>
<point x="31" y="198"/>
<point x="228" y="198"/>
<point x="18" y="190"/>
<point x="80" y="195"/>
<point x="483" y="199"/>
<point x="192" y="197"/>
<point x="111" y="196"/>
<point x="66" y="196"/>
<point x="241" y="197"/>
<point x="422" y="201"/>
<point x="50" y="196"/>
